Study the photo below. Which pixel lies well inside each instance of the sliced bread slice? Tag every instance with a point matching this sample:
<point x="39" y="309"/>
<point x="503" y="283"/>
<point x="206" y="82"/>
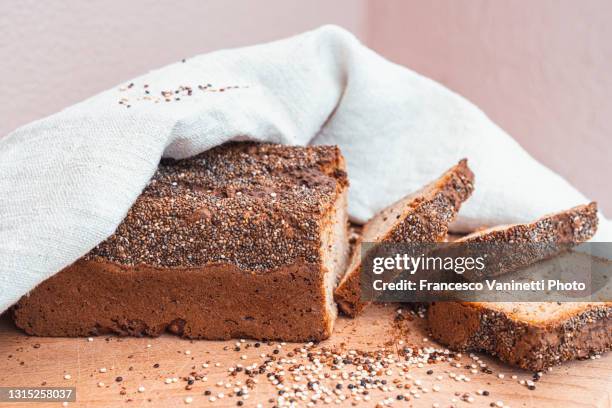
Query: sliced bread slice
<point x="423" y="216"/>
<point x="530" y="335"/>
<point x="516" y="246"/>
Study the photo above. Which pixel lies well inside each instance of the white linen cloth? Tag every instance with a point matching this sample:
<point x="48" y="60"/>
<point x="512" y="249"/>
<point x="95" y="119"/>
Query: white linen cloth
<point x="67" y="181"/>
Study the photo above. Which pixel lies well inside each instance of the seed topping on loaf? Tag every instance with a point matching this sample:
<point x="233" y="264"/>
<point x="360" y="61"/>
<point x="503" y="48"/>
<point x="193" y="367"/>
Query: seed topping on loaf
<point x="257" y="206"/>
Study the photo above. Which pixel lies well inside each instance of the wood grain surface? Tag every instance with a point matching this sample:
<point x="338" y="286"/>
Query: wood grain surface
<point x="147" y="362"/>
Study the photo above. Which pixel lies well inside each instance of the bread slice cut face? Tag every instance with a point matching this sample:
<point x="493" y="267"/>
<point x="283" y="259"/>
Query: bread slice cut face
<point x="421" y="217"/>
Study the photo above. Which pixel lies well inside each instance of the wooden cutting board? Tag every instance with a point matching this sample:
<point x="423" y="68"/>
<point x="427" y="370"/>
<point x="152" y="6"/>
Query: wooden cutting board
<point x="146" y="362"/>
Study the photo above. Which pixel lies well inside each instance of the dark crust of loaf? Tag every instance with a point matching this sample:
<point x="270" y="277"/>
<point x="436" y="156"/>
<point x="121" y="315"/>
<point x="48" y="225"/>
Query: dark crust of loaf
<point x="218" y="301"/>
<point x="471" y="326"/>
<point x="535" y="241"/>
<point x="256" y="206"/>
<point x="425" y="219"/>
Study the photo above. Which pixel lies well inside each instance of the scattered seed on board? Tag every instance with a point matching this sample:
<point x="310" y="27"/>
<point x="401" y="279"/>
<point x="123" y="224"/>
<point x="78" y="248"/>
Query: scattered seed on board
<point x="315" y="374"/>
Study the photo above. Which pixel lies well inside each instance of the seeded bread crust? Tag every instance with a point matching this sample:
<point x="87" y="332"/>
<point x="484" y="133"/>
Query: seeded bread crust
<point x="532" y="344"/>
<point x="525" y="244"/>
<point x="420" y="217"/>
<point x="257" y="206"/>
<point x="244" y="240"/>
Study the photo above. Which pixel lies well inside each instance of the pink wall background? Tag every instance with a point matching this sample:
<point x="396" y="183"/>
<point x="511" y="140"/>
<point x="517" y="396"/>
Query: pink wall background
<point x="542" y="70"/>
<point x="539" y="69"/>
